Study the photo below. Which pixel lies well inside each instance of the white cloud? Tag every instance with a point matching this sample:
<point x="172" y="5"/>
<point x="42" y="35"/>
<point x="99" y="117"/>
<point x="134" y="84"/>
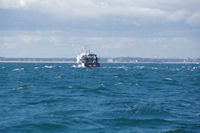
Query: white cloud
<point x="194" y="20"/>
<point x="178" y="15"/>
<point x="132" y="10"/>
<point x="16" y="4"/>
<point x="56" y="44"/>
<point x="93" y="8"/>
<point x="114" y="27"/>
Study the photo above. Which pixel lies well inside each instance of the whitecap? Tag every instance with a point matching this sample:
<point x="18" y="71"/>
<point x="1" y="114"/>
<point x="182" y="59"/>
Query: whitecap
<point x="116" y="76"/>
<point x="77" y="66"/>
<point x="123" y="67"/>
<point x="168" y="79"/>
<point x="18" y="69"/>
<point x="60" y="66"/>
<point x="24" y="87"/>
<point x="198" y="114"/>
<point x="154" y="68"/>
<point x="139" y="67"/>
<point x="59" y="76"/>
<point x="70" y="86"/>
<point x="48" y="66"/>
<point x="74" y="66"/>
<point x="194" y="68"/>
<point x="102" y="85"/>
<point x="35" y="67"/>
<point x="19" y="88"/>
<point x="119" y="83"/>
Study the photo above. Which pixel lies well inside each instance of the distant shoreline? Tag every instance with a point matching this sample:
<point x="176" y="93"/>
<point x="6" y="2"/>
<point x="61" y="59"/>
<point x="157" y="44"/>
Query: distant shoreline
<point x="70" y="62"/>
<point x="130" y="60"/>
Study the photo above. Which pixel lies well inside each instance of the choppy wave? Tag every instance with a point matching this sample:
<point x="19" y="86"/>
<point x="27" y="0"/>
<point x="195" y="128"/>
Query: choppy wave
<point x="111" y="98"/>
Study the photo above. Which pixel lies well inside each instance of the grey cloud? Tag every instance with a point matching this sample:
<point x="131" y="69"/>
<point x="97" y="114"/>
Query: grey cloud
<point x="61" y="28"/>
<point x="194" y="20"/>
<point x="133" y="10"/>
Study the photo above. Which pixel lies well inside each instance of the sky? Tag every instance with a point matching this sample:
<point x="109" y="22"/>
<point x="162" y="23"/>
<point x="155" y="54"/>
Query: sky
<point x="110" y="28"/>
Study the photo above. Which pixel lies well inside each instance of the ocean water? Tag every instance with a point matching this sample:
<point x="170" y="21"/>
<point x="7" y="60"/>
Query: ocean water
<point x="122" y="98"/>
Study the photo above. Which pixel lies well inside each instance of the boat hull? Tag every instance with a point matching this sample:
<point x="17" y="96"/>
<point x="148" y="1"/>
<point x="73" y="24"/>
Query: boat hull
<point x="91" y="65"/>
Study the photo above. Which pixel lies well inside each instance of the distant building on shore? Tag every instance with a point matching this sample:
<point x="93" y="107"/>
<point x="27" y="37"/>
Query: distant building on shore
<point x="106" y="60"/>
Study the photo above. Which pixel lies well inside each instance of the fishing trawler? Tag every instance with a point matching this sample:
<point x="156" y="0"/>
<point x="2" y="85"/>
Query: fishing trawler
<point x="88" y="59"/>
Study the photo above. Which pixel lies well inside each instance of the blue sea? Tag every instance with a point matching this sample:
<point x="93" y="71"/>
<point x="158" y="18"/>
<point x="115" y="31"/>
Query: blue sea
<point x="114" y="98"/>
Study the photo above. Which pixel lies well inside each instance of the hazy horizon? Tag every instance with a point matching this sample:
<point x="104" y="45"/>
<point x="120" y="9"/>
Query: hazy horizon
<point x="114" y="28"/>
<point x="99" y="57"/>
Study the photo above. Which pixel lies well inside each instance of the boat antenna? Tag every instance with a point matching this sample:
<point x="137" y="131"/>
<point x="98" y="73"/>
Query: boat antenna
<point x="86" y="49"/>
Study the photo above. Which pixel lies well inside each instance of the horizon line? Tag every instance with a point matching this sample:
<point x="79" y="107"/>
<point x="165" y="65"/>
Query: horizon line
<point x="106" y="57"/>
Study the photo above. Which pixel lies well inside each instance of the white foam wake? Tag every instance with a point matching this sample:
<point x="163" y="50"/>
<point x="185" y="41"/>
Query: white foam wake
<point x="18" y="69"/>
<point x="77" y="66"/>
